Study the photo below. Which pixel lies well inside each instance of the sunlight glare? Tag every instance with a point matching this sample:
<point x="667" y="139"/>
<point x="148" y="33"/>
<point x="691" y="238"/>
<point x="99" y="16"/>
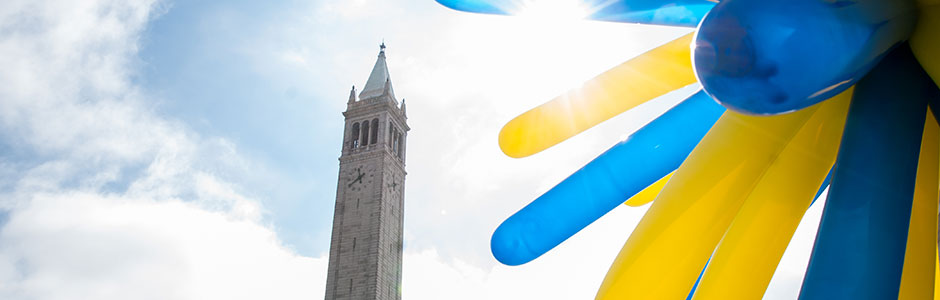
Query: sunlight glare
<point x="557" y="10"/>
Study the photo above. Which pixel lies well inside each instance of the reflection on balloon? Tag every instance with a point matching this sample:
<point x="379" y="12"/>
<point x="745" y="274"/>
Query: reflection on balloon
<point x="764" y="57"/>
<point x="726" y="198"/>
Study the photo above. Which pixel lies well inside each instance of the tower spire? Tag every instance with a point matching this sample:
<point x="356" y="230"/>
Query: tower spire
<point x="378" y="79"/>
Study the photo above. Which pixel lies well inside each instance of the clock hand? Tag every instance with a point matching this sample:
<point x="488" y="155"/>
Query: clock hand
<point x="358" y="179"/>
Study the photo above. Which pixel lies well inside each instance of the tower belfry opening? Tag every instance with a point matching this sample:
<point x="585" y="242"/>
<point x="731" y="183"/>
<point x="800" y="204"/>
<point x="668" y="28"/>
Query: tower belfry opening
<point x="366" y="243"/>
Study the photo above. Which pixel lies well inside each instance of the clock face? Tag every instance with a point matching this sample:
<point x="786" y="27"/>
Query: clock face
<point x="393" y="184"/>
<point x="359" y="177"/>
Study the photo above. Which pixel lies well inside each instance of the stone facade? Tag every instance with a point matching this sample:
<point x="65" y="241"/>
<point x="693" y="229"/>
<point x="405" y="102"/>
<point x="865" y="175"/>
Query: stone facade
<point x="366" y="245"/>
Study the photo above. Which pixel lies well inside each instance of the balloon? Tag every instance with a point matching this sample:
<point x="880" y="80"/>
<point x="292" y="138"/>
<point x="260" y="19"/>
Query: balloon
<point x="935" y="106"/>
<point x="673" y="241"/>
<point x="719" y="224"/>
<point x="686" y="13"/>
<point x="925" y="42"/>
<point x="859" y="250"/>
<point x="917" y="279"/>
<point x="755" y="241"/>
<point x="648" y="194"/>
<point x="936" y="289"/>
<point x="697" y="281"/>
<point x="645" y="77"/>
<point x="823" y="187"/>
<point x="626" y="168"/>
<point x="776" y="56"/>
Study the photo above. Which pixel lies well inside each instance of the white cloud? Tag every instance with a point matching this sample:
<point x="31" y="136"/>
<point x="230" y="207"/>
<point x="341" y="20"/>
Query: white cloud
<point x="107" y="199"/>
<point x="90" y="246"/>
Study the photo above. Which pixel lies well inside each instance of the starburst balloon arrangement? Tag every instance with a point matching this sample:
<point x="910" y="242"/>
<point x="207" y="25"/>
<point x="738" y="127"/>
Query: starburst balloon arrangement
<point x="814" y="90"/>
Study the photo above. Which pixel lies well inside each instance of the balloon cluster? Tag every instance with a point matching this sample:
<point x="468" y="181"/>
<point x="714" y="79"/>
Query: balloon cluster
<point x="814" y="89"/>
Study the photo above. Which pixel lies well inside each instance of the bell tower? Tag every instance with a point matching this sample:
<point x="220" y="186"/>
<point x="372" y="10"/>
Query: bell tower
<point x="366" y="245"/>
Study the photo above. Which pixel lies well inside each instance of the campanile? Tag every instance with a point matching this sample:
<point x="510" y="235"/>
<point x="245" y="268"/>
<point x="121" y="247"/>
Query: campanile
<point x="366" y="244"/>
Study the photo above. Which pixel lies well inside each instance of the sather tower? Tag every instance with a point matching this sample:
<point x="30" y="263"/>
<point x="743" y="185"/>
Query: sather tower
<point x="366" y="246"/>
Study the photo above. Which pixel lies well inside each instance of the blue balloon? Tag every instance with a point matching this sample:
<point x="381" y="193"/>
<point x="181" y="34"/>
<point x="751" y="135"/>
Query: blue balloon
<point x="606" y="182"/>
<point x="822" y="187"/>
<point x="685" y="13"/>
<point x="859" y="250"/>
<point x="776" y="56"/>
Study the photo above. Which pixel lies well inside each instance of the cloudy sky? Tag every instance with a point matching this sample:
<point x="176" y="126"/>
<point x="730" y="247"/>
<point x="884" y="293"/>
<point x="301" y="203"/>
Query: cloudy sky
<point x="188" y="149"/>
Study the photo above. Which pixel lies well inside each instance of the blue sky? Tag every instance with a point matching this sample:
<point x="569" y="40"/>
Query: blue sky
<point x="188" y="149"/>
<point x="208" y="61"/>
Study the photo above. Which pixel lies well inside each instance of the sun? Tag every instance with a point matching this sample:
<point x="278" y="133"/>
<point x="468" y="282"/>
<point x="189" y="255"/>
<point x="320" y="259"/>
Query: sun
<point x="558" y="10"/>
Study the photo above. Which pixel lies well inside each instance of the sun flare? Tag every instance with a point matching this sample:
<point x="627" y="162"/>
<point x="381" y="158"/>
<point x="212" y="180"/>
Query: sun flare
<point x="553" y="10"/>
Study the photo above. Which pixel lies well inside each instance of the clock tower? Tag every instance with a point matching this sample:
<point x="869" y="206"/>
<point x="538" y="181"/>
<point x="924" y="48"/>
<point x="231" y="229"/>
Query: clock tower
<point x="366" y="246"/>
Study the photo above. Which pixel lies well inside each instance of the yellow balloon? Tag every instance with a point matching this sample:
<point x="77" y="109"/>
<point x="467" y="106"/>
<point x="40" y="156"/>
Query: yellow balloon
<point x="632" y="83"/>
<point x="936" y="285"/>
<point x="648" y="194"/>
<point x="917" y="279"/>
<point x="926" y="38"/>
<point x="745" y="260"/>
<point x="671" y="244"/>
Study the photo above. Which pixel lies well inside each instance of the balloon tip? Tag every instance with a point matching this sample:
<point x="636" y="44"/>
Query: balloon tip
<point x="510" y="143"/>
<point x="507" y="249"/>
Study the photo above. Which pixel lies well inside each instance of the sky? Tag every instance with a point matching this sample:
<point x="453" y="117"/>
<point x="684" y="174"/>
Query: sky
<point x="188" y="149"/>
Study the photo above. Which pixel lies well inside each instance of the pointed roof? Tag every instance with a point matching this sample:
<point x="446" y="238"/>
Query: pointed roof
<point x="378" y="79"/>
